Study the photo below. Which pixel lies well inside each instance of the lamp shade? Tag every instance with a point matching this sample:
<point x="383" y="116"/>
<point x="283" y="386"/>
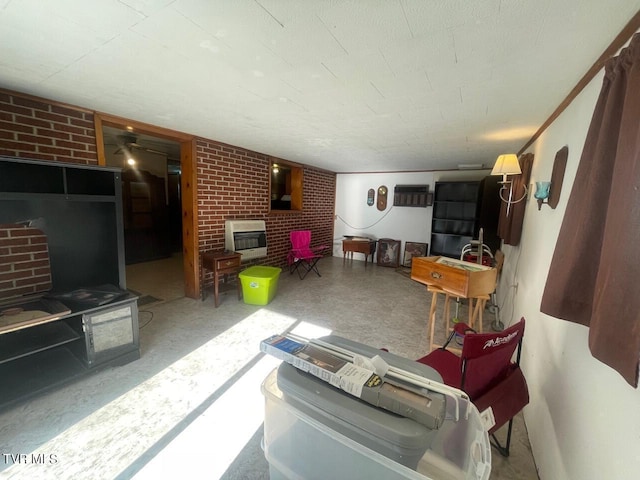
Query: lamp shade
<point x="507" y="164"/>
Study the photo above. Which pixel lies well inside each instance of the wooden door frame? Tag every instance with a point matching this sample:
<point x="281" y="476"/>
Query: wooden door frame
<point x="188" y="185"/>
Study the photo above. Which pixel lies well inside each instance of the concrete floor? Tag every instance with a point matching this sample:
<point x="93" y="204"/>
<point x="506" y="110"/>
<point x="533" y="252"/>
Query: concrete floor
<point x="191" y="406"/>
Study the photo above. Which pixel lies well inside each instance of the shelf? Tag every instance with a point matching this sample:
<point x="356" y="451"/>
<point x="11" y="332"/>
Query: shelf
<point x="454" y="220"/>
<point x="461" y="209"/>
<point x="79" y="208"/>
<point x="448" y="245"/>
<point x="453" y="226"/>
<point x="411" y="195"/>
<point x="32" y="340"/>
<point x="452" y="234"/>
<point x="32" y="374"/>
<point x="31" y="178"/>
<point x="89" y="182"/>
<point x="25" y="176"/>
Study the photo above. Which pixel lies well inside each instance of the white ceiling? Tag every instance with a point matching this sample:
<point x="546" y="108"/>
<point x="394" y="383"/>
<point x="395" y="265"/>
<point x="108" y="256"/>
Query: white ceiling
<point x="360" y="85"/>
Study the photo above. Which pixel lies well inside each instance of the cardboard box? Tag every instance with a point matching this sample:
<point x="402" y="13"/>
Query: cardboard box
<point x="457" y="277"/>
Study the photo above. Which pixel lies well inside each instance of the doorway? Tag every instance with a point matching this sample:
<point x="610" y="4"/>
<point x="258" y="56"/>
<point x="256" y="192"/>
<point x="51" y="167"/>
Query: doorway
<point x="158" y="215"/>
<point x="150" y="193"/>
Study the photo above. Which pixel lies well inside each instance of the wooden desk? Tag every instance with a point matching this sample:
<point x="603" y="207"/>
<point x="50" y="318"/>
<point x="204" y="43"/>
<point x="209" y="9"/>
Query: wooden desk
<point x="358" y="245"/>
<point x="454" y="278"/>
<point x="221" y="263"/>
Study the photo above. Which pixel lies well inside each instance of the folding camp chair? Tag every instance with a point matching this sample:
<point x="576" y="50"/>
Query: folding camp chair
<point x="302" y="257"/>
<point x="486" y="372"/>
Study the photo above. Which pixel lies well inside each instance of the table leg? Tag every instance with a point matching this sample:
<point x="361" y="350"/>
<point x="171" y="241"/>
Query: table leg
<point x="216" y="290"/>
<point x="475" y="312"/>
<point x="432" y="318"/>
<point x="202" y="293"/>
<point x="447" y="314"/>
<point x="432" y="313"/>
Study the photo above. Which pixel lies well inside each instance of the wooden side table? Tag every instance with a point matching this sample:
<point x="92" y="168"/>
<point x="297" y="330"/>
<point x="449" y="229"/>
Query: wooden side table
<point x="221" y="263"/>
<point x="358" y="245"/>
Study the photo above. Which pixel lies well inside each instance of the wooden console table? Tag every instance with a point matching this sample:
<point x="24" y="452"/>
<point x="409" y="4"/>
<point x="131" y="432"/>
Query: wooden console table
<point x="358" y="245"/>
<point x="222" y="264"/>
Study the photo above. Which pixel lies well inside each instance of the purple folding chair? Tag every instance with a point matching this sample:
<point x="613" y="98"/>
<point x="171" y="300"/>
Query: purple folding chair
<point x="302" y="257"/>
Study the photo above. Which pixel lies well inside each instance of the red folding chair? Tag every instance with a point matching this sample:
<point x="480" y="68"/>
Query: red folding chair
<point x="302" y="257"/>
<point x="486" y="372"/>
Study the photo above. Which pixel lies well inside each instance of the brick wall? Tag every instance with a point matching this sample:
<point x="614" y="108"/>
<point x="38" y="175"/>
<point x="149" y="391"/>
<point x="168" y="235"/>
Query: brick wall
<point x="35" y="129"/>
<point x="24" y="261"/>
<point x="232" y="182"/>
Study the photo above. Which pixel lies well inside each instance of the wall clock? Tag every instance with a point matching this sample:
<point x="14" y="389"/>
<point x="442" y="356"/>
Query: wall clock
<point x="382" y="197"/>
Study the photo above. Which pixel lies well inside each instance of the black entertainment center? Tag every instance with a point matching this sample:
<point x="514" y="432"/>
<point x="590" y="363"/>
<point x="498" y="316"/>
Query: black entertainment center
<point x="73" y="315"/>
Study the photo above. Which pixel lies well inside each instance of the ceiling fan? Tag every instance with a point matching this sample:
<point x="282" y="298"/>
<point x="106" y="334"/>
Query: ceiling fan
<point x="127" y="143"/>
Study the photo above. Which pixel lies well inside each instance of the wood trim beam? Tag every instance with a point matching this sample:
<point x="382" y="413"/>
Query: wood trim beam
<point x="97" y="121"/>
<point x="190" y="233"/>
<point x="141" y="127"/>
<point x="189" y="186"/>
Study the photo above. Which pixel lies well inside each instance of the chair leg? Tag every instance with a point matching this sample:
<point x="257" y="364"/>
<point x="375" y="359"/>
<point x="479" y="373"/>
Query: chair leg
<point x="306" y="266"/>
<point x="313" y="266"/>
<point x="503" y="449"/>
<point x="306" y="270"/>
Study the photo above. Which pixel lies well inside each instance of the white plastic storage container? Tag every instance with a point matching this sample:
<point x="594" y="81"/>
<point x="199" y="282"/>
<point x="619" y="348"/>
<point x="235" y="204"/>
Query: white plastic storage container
<point x="315" y="431"/>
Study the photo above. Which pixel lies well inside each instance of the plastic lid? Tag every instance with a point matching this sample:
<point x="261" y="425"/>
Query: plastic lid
<point x="261" y="272"/>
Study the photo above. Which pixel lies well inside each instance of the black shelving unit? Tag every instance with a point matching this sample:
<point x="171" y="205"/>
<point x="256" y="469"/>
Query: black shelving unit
<point x="460" y="209"/>
<point x="79" y="209"/>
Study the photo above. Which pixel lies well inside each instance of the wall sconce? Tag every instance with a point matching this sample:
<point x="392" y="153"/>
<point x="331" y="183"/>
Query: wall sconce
<point x="275" y="168"/>
<point x="508" y="165"/>
<point x="542" y="193"/>
<point x="549" y="192"/>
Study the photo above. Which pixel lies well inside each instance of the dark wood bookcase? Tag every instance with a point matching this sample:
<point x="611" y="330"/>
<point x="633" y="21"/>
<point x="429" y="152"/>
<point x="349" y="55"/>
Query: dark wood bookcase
<point x="460" y="209"/>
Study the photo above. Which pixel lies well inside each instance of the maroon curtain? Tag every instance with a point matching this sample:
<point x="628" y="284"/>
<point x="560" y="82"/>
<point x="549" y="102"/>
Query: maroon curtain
<point x="594" y="277"/>
<point x="510" y="227"/>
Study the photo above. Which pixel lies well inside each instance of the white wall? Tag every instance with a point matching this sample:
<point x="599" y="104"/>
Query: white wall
<point x="583" y="419"/>
<point x="409" y="224"/>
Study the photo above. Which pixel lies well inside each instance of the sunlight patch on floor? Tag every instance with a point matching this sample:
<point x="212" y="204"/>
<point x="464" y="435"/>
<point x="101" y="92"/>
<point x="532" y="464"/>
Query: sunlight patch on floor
<point x="210" y="444"/>
<point x="130" y="425"/>
<point x="309" y="330"/>
<point x="207" y="447"/>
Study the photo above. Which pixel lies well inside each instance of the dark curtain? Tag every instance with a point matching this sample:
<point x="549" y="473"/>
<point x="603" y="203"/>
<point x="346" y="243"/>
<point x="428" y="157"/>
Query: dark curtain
<point x="510" y="227"/>
<point x="595" y="271"/>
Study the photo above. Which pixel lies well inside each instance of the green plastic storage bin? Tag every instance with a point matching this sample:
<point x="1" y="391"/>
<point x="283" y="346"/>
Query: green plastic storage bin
<point x="259" y="284"/>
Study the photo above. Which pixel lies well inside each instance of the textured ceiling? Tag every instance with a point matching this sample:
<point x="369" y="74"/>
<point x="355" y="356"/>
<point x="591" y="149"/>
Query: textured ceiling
<point x="368" y="85"/>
